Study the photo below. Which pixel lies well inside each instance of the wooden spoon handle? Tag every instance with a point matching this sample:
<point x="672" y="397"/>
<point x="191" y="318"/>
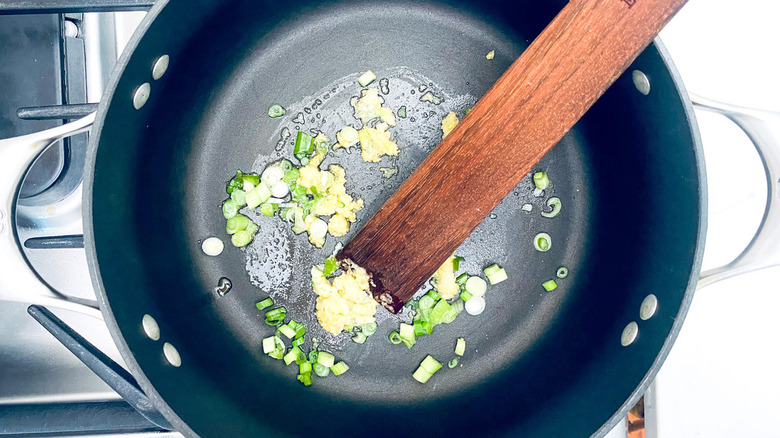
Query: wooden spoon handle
<point x="537" y="100"/>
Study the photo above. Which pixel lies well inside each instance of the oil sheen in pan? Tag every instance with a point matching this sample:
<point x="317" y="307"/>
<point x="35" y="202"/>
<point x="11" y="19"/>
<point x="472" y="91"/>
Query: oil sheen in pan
<point x="279" y="261"/>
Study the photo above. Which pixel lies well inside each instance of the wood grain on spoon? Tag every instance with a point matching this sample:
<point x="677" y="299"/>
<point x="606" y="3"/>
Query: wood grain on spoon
<point x="537" y="100"/>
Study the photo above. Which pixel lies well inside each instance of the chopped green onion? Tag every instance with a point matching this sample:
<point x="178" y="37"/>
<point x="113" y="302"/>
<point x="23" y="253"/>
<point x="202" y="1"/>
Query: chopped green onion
<point x="236" y="183"/>
<point x="275" y="111"/>
<point x="239" y="196"/>
<point x="252" y="228"/>
<point x="461" y="280"/>
<point x="555" y="204"/>
<point x="300" y="331"/>
<point x="394" y="338"/>
<point x="291" y="176"/>
<point x="440" y="310"/>
<point x="321" y="370"/>
<point x="269" y="208"/>
<point x="468" y="110"/>
<point x="541" y="181"/>
<point x="426" y="369"/>
<point x="304" y="367"/>
<point x="453" y="362"/>
<point x="304" y="146"/>
<point x="313" y="355"/>
<point x="292" y="355"/>
<point x="456" y="263"/>
<point x="229" y="208"/>
<point x="237" y="223"/>
<point x="251" y="179"/>
<point x="366" y="78"/>
<point x="402" y="112"/>
<point x="549" y="285"/>
<point x="542" y="242"/>
<point x="297" y="342"/>
<point x="406" y="331"/>
<point x="369" y="328"/>
<point x="266" y="303"/>
<point x="427" y="327"/>
<point x="476" y="286"/>
<point x="359" y="337"/>
<point x="562" y="272"/>
<point x="527" y="207"/>
<point x="418" y="328"/>
<point x="433" y="293"/>
<point x="305" y="378"/>
<point x="460" y="346"/>
<point x="495" y="274"/>
<point x="426" y="302"/>
<point x="241" y="238"/>
<point x="274" y="347"/>
<point x="465" y="295"/>
<point x="339" y="369"/>
<point x="325" y="359"/>
<point x="331" y="265"/>
<point x="287" y="331"/>
<point x="258" y="195"/>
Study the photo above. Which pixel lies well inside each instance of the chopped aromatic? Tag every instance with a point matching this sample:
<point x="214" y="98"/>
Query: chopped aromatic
<point x="297" y="342"/>
<point x="406" y="332"/>
<point x="527" y="208"/>
<point x="266" y="303"/>
<point x="339" y="368"/>
<point x="476" y="286"/>
<point x="541" y="180"/>
<point x="321" y="370"/>
<point x="325" y="359"/>
<point x="549" y="285"/>
<point x="555" y="207"/>
<point x="237" y="223"/>
<point x="475" y="306"/>
<point x="286" y="330"/>
<point x="456" y="262"/>
<point x="275" y="111"/>
<point x="495" y="274"/>
<point x="239" y="196"/>
<point x="366" y="78"/>
<point x="453" y="362"/>
<point x="229" y="208"/>
<point x="241" y="238"/>
<point x="213" y="246"/>
<point x="292" y="356"/>
<point x="462" y="278"/>
<point x="305" y="378"/>
<point x="465" y="296"/>
<point x="304" y="147"/>
<point x="359" y="337"/>
<point x="402" y="112"/>
<point x="395" y="338"/>
<point x="427" y="368"/>
<point x="542" y="242"/>
<point x="369" y="328"/>
<point x="331" y="265"/>
<point x="489" y="55"/>
<point x="562" y="272"/>
<point x="460" y="346"/>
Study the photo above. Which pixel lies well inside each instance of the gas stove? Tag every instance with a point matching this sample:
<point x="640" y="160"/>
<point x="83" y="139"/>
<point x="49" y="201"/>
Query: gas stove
<point x="55" y="58"/>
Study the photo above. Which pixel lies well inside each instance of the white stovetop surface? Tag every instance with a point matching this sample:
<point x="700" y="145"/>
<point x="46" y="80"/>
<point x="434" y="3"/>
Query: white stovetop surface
<point x="722" y="377"/>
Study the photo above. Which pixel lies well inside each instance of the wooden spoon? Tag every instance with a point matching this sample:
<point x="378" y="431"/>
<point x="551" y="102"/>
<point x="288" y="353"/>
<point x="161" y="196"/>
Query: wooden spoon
<point x="536" y="101"/>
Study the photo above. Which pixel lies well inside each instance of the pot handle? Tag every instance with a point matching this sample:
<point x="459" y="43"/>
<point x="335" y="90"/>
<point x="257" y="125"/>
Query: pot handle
<point x="18" y="281"/>
<point x="763" y="129"/>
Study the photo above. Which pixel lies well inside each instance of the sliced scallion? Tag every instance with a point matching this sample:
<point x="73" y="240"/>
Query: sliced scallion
<point x="239" y="196"/>
<point x="562" y="272"/>
<point x="297" y="342"/>
<point x="476" y="286"/>
<point x="359" y="338"/>
<point x="305" y="367"/>
<point x="542" y="242"/>
<point x="339" y="368"/>
<point x="241" y="238"/>
<point x="304" y="146"/>
<point x="527" y="207"/>
<point x="394" y="338"/>
<point x="453" y="362"/>
<point x="555" y="206"/>
<point x="462" y="278"/>
<point x="369" y="328"/>
<point x="495" y="274"/>
<point x="402" y="112"/>
<point x="287" y="331"/>
<point x="331" y="265"/>
<point x="266" y="303"/>
<point x="549" y="285"/>
<point x="456" y="262"/>
<point x="229" y="208"/>
<point x="427" y="368"/>
<point x="292" y="355"/>
<point x="366" y="78"/>
<point x="426" y="302"/>
<point x="305" y="378"/>
<point x="541" y="180"/>
<point x="460" y="346"/>
<point x="275" y="111"/>
<point x="236" y="223"/>
<point x="325" y="359"/>
<point x="321" y="370"/>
